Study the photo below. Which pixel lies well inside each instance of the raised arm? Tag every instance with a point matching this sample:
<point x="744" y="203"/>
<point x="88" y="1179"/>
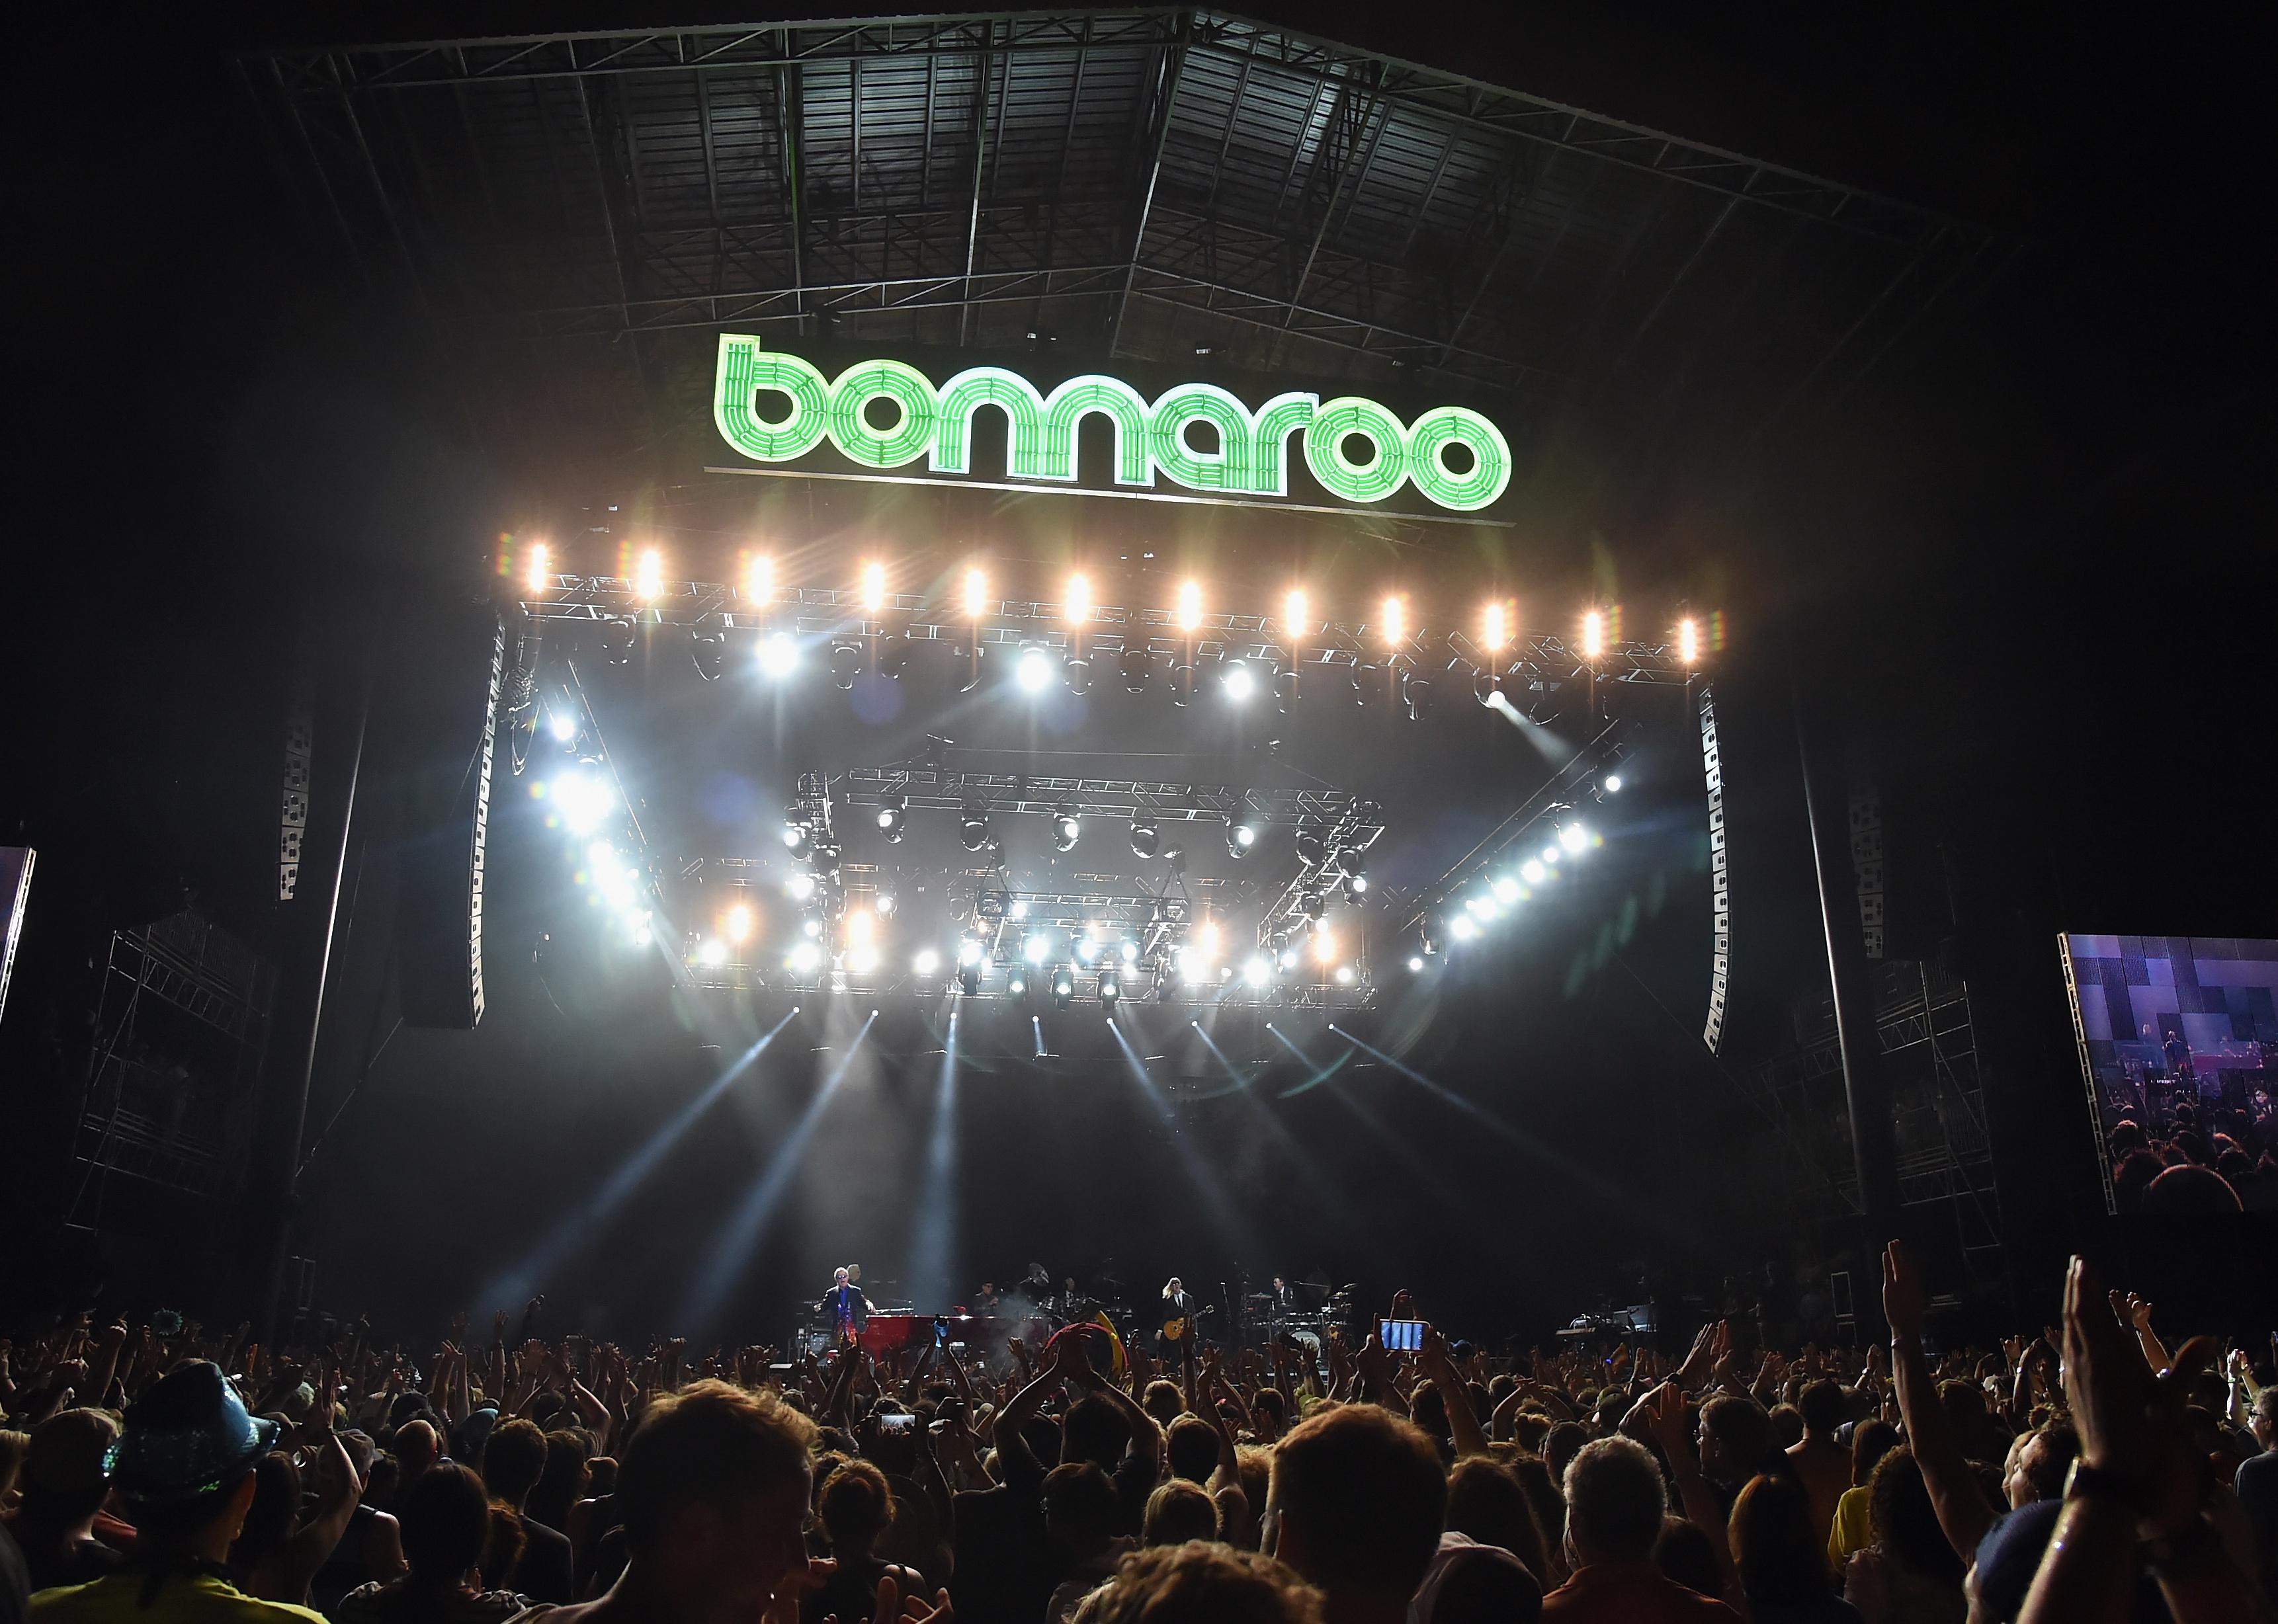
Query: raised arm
<point x="1455" y="1396"/>
<point x="1964" y="1513"/>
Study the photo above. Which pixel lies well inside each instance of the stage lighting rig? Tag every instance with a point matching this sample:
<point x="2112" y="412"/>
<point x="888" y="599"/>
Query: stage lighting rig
<point x="709" y="651"/>
<point x="894" y="816"/>
<point x="1239" y="680"/>
<point x="1067" y="828"/>
<point x="798" y="840"/>
<point x="1146" y="837"/>
<point x="1033" y="670"/>
<point x="926" y="962"/>
<point x="1016" y="981"/>
<point x="1241" y="836"/>
<point x="845" y="665"/>
<point x="1111" y="988"/>
<point x="972" y="826"/>
<point x="1486" y="687"/>
<point x="1417" y="692"/>
<point x="617" y="641"/>
<point x="778" y="656"/>
<point x="1063" y="987"/>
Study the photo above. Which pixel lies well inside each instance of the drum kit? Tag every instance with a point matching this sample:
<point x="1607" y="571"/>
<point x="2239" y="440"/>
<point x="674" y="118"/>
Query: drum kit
<point x="1304" y="1314"/>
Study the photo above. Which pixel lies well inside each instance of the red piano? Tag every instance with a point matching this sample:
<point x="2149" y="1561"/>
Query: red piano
<point x="890" y="1333"/>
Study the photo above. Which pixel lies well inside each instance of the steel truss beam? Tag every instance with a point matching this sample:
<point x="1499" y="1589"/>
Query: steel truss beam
<point x="1537" y="658"/>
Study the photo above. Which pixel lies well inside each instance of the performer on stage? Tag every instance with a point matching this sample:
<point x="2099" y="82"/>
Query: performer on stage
<point x="1177" y="1322"/>
<point x="848" y="1309"/>
<point x="986" y="1299"/>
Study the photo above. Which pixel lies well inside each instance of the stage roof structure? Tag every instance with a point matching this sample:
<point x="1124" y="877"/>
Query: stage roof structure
<point x="1154" y="183"/>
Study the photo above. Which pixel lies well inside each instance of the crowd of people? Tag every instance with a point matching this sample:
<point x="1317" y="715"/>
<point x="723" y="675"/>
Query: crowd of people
<point x="2086" y="1474"/>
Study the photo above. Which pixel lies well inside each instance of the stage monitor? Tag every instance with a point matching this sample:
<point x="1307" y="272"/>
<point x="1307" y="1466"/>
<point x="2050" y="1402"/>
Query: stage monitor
<point x="2173" y="1032"/>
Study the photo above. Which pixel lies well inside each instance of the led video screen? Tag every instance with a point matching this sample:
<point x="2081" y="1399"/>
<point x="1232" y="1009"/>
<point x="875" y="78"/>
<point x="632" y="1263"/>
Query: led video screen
<point x="2175" y="1033"/>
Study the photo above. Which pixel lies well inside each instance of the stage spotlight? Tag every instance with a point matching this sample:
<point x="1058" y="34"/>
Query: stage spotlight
<point x="1574" y="837"/>
<point x="1241" y="836"/>
<point x="1367" y="683"/>
<point x="1486" y="687"/>
<point x="1079" y="676"/>
<point x="1394" y="620"/>
<point x="1324" y="945"/>
<point x="1611" y="783"/>
<point x="874" y="587"/>
<point x="885" y="905"/>
<point x="562" y="725"/>
<point x="583" y="800"/>
<point x="1357" y="883"/>
<point x="1034" y="949"/>
<point x="616" y="641"/>
<point x="1346" y="975"/>
<point x="739" y="923"/>
<point x="1311" y="848"/>
<point x="1191" y="605"/>
<point x="713" y="953"/>
<point x="1688" y="642"/>
<point x="1506" y="890"/>
<point x="976" y="594"/>
<point x="1495" y="628"/>
<point x="1415" y="964"/>
<point x="1594" y="635"/>
<point x="778" y="656"/>
<point x="1258" y="971"/>
<point x="1067" y="829"/>
<point x="1241" y="681"/>
<point x="1033" y="670"/>
<point x="1111" y="987"/>
<point x="1077" y="608"/>
<point x="1128" y="952"/>
<point x="971" y="951"/>
<point x="862" y="960"/>
<point x="973" y="827"/>
<point x="1087" y="949"/>
<point x="1288" y="959"/>
<point x="825" y="861"/>
<point x="1146" y="837"/>
<point x="1462" y="927"/>
<point x="759" y="578"/>
<point x="541" y="567"/>
<point x="1417" y="692"/>
<point x="800" y="886"/>
<point x="1016" y="981"/>
<point x="845" y="665"/>
<point x="1550" y="853"/>
<point x="1063" y="987"/>
<point x="806" y="958"/>
<point x="927" y="961"/>
<point x="798" y="840"/>
<point x="1295" y="622"/>
<point x="1312" y="904"/>
<point x="811" y="926"/>
<point x="648" y="576"/>
<point x="1020" y="909"/>
<point x="893" y="814"/>
<point x="1138" y="670"/>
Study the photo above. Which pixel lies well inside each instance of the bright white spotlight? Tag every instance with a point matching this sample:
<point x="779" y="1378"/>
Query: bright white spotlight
<point x="778" y="656"/>
<point x="1077" y="609"/>
<point x="1324" y="945"/>
<point x="1344" y="975"/>
<point x="1395" y="620"/>
<point x="1020" y="909"/>
<point x="1416" y="964"/>
<point x="1087" y="949"/>
<point x="713" y="953"/>
<point x="1130" y="954"/>
<point x="927" y="961"/>
<point x="585" y="801"/>
<point x="562" y="725"/>
<point x="874" y="587"/>
<point x="969" y="951"/>
<point x="1206" y="941"/>
<point x="739" y="923"/>
<point x="1289" y="959"/>
<point x="1192" y="965"/>
<point x="1190" y="605"/>
<point x="1241" y="681"/>
<point x="1035" y="949"/>
<point x="976" y="594"/>
<point x="1574" y="837"/>
<point x="1462" y="927"/>
<point x="1550" y="853"/>
<point x="1295" y="622"/>
<point x="1494" y="627"/>
<point x="760" y="577"/>
<point x="1258" y="971"/>
<point x="1066" y="830"/>
<point x="1613" y="781"/>
<point x="812" y="929"/>
<point x="862" y="961"/>
<point x="1531" y="872"/>
<point x="1688" y="642"/>
<point x="648" y="574"/>
<point x="1594" y="634"/>
<point x="641" y="933"/>
<point x="1033" y="670"/>
<point x="541" y="567"/>
<point x="800" y="886"/>
<point x="1506" y="890"/>
<point x="806" y="956"/>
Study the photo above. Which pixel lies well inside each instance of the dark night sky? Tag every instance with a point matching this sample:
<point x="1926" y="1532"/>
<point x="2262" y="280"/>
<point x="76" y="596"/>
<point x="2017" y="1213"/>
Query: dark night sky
<point x="2036" y="567"/>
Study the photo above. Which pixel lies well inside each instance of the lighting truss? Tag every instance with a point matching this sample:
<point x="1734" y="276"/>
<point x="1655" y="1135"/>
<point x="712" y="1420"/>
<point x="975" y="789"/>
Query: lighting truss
<point x="1537" y="658"/>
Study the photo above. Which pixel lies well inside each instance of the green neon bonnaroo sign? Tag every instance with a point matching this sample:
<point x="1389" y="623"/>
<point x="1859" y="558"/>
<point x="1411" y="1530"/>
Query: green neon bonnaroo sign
<point x="936" y="421"/>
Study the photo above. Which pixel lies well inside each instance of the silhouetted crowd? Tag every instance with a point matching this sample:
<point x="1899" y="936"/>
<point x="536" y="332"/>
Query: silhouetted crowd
<point x="2089" y="1474"/>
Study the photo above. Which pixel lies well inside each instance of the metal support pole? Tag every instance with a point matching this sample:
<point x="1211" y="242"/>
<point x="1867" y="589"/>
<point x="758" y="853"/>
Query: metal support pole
<point x="1874" y="1153"/>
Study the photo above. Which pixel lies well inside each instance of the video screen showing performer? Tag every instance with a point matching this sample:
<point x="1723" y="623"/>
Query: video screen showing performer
<point x="2175" y="1034"/>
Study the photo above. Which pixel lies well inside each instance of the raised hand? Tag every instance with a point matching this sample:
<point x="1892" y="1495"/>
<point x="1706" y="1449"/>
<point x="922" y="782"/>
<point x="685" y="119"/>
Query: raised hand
<point x="1902" y="1292"/>
<point x="2131" y="1420"/>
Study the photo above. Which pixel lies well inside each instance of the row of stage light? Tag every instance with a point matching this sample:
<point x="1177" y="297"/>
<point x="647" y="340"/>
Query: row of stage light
<point x="1691" y="639"/>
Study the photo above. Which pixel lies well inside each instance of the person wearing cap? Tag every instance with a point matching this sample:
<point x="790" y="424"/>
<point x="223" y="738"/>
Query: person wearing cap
<point x="64" y="1483"/>
<point x="185" y="1468"/>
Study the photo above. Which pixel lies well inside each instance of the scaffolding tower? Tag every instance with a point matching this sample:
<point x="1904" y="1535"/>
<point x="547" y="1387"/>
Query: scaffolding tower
<point x="181" y="1025"/>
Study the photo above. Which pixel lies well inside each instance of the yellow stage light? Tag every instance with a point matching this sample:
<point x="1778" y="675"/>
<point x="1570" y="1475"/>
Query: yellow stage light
<point x="1190" y="605"/>
<point x="1495" y="629"/>
<point x="1324" y="945"/>
<point x="874" y="587"/>
<point x="1293" y="615"/>
<point x="540" y="568"/>
<point x="1395" y="620"/>
<point x="976" y="594"/>
<point x="649" y="578"/>
<point x="760" y="577"/>
<point x="1594" y="635"/>
<point x="1077" y="609"/>
<point x="1688" y="642"/>
<point x="738" y="925"/>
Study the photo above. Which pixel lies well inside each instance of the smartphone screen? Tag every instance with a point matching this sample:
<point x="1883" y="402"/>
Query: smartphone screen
<point x="896" y="1422"/>
<point x="1401" y="1335"/>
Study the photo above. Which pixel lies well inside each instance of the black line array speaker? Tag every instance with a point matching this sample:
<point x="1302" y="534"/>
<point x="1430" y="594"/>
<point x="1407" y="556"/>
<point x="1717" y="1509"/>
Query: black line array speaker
<point x="450" y="724"/>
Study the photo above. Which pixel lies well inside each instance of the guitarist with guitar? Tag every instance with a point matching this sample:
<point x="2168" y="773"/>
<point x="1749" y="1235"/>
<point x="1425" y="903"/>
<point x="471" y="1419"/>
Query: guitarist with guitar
<point x="1180" y="1313"/>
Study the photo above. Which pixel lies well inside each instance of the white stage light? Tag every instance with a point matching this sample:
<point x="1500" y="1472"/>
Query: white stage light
<point x="862" y="960"/>
<point x="739" y="923"/>
<point x="1034" y="670"/>
<point x="1415" y="964"/>
<point x="1574" y="837"/>
<point x="648" y="576"/>
<point x="1344" y="975"/>
<point x="800" y="886"/>
<point x="1087" y="949"/>
<point x="1531" y="872"/>
<point x="1289" y="959"/>
<point x="1550" y="853"/>
<point x="874" y="587"/>
<point x="1241" y="681"/>
<point x="564" y="726"/>
<point x="1613" y="781"/>
<point x="778" y="656"/>
<point x="1020" y="909"/>
<point x="1035" y="949"/>
<point x="1130" y="954"/>
<point x="807" y="956"/>
<point x="1462" y="927"/>
<point x="927" y="961"/>
<point x="585" y="801"/>
<point x="1258" y="973"/>
<point x="541" y="565"/>
<point x="885" y="905"/>
<point x="1506" y="890"/>
<point x="713" y="953"/>
<point x="969" y="951"/>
